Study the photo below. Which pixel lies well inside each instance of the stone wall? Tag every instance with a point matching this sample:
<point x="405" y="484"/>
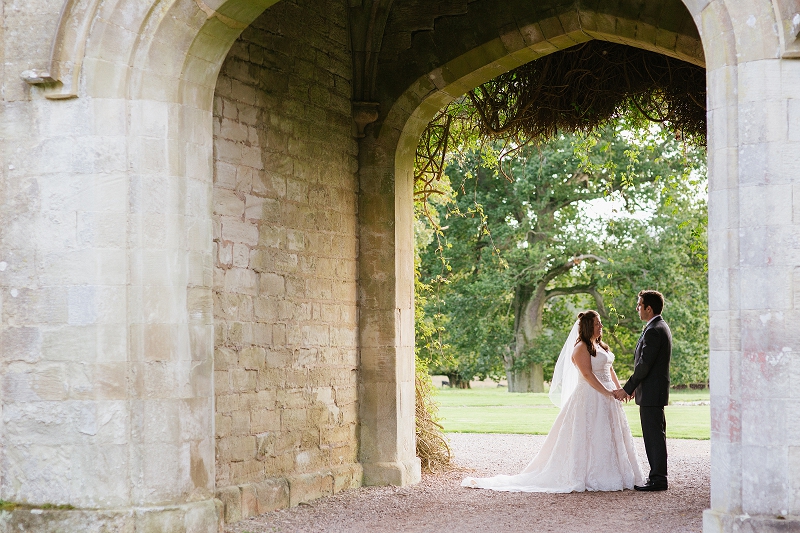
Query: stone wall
<point x="285" y="249"/>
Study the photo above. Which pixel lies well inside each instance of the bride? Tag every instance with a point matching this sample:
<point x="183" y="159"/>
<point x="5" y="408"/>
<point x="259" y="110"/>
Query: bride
<point x="590" y="446"/>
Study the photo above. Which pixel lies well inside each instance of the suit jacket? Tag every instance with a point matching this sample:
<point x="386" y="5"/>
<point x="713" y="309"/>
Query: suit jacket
<point x="650" y="380"/>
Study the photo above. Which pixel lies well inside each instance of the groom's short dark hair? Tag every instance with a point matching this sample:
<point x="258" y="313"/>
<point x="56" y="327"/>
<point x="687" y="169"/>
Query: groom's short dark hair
<point x="652" y="299"/>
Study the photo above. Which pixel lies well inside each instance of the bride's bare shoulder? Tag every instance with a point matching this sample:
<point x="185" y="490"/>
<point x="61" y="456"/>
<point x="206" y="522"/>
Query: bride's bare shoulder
<point x="579" y="350"/>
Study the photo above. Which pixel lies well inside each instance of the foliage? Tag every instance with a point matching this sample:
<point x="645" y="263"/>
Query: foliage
<point x="667" y="252"/>
<point x="558" y="319"/>
<point x="582" y="89"/>
<point x="506" y="227"/>
<point x="431" y="444"/>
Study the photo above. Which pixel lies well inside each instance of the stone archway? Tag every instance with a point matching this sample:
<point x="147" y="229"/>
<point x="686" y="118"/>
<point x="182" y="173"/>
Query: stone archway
<point x="108" y="392"/>
<point x="750" y="96"/>
<point x="517" y="34"/>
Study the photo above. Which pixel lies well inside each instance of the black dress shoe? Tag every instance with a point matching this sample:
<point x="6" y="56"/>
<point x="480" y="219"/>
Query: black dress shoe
<point x="651" y="487"/>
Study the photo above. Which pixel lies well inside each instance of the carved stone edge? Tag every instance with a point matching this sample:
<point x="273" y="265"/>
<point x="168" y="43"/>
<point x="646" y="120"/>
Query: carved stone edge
<point x="788" y="28"/>
<point x="60" y="80"/>
<point x="62" y="77"/>
<point x="364" y="113"/>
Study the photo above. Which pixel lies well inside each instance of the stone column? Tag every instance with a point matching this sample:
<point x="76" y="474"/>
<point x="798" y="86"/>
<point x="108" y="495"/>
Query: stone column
<point x="754" y="287"/>
<point x="169" y="308"/>
<point x="387" y="447"/>
<point x="106" y="335"/>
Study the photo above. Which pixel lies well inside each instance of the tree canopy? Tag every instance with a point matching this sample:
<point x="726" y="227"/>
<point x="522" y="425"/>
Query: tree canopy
<point x="525" y="237"/>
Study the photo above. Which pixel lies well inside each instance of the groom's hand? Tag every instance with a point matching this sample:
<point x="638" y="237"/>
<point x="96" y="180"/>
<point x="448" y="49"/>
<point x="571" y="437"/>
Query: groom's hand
<point x="628" y="397"/>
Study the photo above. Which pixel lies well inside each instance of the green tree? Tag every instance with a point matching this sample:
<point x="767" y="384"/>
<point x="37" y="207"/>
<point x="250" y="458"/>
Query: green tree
<point x="524" y="249"/>
<point x="666" y="251"/>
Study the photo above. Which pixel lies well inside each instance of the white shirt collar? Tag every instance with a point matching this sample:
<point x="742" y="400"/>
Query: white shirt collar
<point x="648" y="322"/>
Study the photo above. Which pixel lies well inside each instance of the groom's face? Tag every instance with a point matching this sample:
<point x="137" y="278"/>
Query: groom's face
<point x="644" y="314"/>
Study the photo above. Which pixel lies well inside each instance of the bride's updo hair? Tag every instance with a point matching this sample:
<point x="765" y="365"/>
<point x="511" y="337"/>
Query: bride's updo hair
<point x="586" y="331"/>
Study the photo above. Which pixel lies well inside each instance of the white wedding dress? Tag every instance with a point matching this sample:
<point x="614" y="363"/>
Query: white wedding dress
<point x="589" y="447"/>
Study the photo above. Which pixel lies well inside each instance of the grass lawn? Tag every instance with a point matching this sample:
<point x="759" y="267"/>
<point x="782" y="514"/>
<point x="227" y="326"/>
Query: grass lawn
<point x="498" y="411"/>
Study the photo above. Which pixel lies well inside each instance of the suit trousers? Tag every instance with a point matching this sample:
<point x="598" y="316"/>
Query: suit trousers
<point x="654" y="431"/>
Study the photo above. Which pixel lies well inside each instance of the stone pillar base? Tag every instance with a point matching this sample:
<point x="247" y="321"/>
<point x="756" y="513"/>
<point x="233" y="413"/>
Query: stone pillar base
<point x="195" y="517"/>
<point x="717" y="522"/>
<point x="397" y="473"/>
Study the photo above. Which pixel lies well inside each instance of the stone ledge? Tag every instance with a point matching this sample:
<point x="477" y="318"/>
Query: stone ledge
<point x="715" y="521"/>
<point x="252" y="499"/>
<point x="195" y="517"/>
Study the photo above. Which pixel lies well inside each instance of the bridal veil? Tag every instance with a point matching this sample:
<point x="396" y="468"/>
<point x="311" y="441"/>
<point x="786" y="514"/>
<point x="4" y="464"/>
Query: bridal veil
<point x="565" y="376"/>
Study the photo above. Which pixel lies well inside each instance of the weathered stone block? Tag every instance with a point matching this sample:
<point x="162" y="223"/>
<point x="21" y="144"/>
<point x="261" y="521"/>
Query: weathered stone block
<point x="203" y="518"/>
<point x="347" y="477"/>
<point x="243" y="380"/>
<point x="337" y="436"/>
<point x="240" y="423"/>
<point x="239" y="232"/>
<point x="163" y="521"/>
<point x="51" y="521"/>
<point x="227" y="203"/>
<point x="307" y="487"/>
<point x="241" y="280"/>
<point x="272" y="494"/>
<point x="248" y="471"/>
<point x="252" y="358"/>
<point x="231" y="498"/>
<point x="236" y="448"/>
<point x="263" y="420"/>
<point x="20" y="344"/>
<point x="223" y="425"/>
<point x="249" y="501"/>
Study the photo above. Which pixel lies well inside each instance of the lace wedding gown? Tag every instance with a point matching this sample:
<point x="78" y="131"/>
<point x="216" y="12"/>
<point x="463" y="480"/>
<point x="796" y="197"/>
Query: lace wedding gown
<point x="589" y="447"/>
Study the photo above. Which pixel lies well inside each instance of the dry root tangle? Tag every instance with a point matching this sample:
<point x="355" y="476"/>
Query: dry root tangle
<point x="433" y="449"/>
<point x="579" y="89"/>
<point x="583" y="87"/>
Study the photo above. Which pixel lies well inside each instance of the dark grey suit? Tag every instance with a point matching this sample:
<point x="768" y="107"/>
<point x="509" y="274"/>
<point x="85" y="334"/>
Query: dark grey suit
<point x="650" y="386"/>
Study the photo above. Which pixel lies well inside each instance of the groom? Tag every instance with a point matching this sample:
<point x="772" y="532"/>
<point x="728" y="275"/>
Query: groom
<point x="650" y="385"/>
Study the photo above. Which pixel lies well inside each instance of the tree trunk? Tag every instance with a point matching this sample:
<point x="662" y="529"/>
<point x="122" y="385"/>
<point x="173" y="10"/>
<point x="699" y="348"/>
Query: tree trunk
<point x="529" y="304"/>
<point x="457" y="382"/>
<point x="529" y="301"/>
<point x="530" y="379"/>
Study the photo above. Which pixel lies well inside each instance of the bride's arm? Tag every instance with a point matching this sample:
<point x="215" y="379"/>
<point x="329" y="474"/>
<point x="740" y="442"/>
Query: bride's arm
<point x="614" y="378"/>
<point x="583" y="360"/>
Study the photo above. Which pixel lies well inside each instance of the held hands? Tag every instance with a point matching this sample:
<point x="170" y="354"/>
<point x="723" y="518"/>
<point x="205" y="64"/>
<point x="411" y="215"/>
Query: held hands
<point x="621" y="395"/>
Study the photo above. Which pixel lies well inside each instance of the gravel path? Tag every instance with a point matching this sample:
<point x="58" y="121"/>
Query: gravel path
<point x="439" y="504"/>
